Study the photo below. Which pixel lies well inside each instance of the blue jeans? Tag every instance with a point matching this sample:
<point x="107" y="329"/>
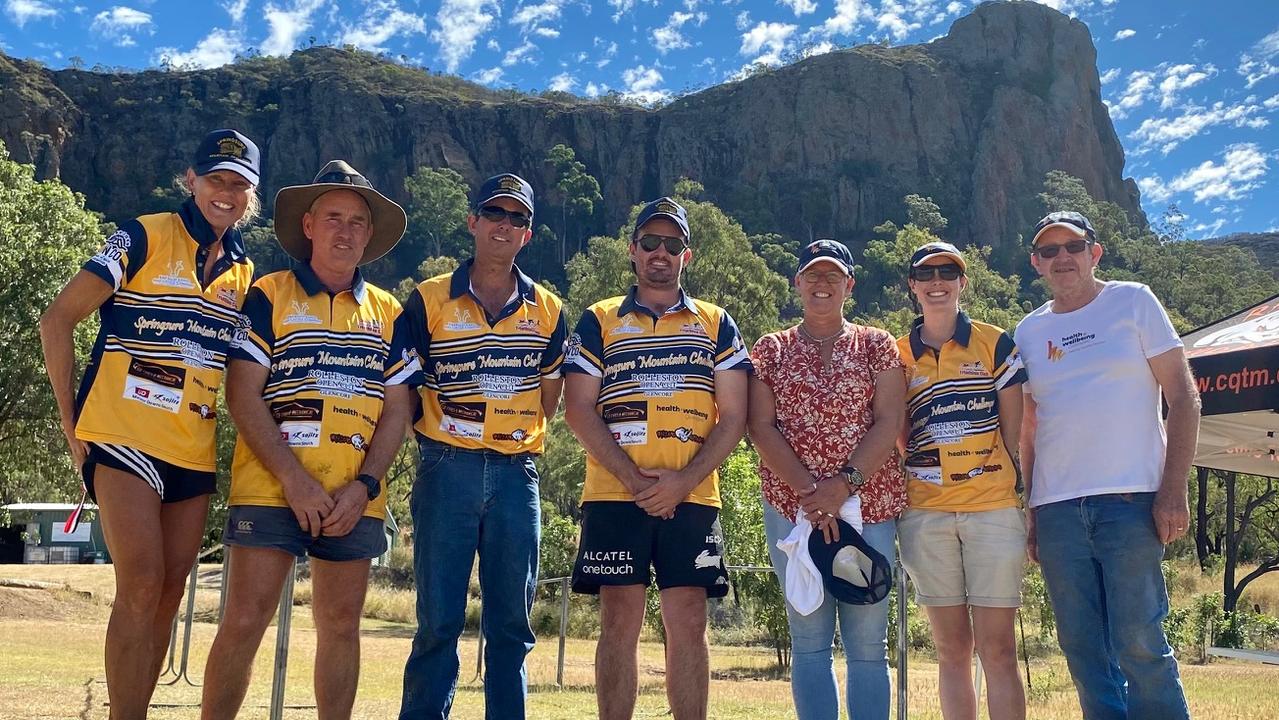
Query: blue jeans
<point x="464" y="502"/>
<point x="1100" y="557"/>
<point x="863" y="631"/>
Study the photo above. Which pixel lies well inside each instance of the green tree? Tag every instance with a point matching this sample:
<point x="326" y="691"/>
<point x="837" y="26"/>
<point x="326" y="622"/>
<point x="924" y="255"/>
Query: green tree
<point x="578" y="195"/>
<point x="45" y="235"/>
<point x="923" y="213"/>
<point x="426" y="270"/>
<point x="437" y="210"/>
<point x="724" y="270"/>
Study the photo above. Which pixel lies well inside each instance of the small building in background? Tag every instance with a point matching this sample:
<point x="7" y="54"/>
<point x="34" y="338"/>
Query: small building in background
<point x="34" y="534"/>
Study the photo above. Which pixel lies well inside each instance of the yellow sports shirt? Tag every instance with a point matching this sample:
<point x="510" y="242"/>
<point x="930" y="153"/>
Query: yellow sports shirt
<point x="152" y="379"/>
<point x="330" y="356"/>
<point x="657" y="383"/>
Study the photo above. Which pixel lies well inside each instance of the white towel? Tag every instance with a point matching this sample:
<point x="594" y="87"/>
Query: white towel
<point x="803" y="586"/>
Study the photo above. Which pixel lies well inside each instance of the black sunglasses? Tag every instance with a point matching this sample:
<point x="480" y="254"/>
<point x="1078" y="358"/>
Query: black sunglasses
<point x="674" y="245"/>
<point x="926" y="272"/>
<point x="1048" y="252"/>
<point x="493" y="213"/>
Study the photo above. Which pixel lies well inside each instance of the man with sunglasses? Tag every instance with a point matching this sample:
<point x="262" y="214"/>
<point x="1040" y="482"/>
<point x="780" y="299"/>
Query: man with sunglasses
<point x="492" y="344"/>
<point x="1104" y="472"/>
<point x="656" y="393"/>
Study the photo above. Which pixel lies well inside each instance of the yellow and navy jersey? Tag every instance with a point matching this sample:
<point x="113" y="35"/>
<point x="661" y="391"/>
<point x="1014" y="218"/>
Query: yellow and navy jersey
<point x="657" y="383"/>
<point x="330" y="357"/>
<point x="483" y="375"/>
<point x="153" y="376"/>
<point x="956" y="460"/>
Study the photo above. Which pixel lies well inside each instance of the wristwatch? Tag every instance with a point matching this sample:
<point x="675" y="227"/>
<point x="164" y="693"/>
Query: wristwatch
<point x="373" y="484"/>
<point x="853" y="477"/>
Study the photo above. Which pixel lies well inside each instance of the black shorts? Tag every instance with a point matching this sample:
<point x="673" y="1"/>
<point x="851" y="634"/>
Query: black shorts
<point x="620" y="542"/>
<point x="172" y="483"/>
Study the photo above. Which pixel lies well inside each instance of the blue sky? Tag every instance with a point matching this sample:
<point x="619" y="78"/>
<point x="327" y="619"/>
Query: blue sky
<point x="1193" y="85"/>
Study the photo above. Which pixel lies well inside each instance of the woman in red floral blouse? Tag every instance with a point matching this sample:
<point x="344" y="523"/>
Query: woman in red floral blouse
<point x="827" y="401"/>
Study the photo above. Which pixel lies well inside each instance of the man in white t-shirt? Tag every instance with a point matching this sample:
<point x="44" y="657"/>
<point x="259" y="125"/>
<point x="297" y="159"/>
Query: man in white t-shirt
<point x="1104" y="473"/>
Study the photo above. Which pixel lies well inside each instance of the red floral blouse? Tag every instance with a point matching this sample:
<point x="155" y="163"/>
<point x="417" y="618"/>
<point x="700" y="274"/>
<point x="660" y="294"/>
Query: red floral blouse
<point x="823" y="414"/>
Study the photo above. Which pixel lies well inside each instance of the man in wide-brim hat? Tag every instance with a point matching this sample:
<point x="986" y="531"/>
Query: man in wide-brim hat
<point x="318" y="365"/>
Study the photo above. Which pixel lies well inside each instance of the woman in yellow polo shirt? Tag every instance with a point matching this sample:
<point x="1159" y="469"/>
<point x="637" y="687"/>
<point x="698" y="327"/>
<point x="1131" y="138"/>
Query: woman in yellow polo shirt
<point x="168" y="289"/>
<point x="963" y="535"/>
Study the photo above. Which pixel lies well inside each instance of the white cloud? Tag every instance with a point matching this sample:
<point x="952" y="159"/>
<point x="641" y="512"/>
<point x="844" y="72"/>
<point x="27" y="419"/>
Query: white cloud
<point x="563" y="82"/>
<point x="848" y="16"/>
<point x="622" y="7"/>
<point x="518" y="54"/>
<point x="383" y="21"/>
<point x="493" y="45"/>
<point x="593" y="90"/>
<point x="1109" y="75"/>
<point x="609" y="53"/>
<point x="1181" y="77"/>
<point x="532" y="19"/>
<point x="820" y="48"/>
<point x="1261" y="61"/>
<point x="1271" y="103"/>
<point x="1243" y="170"/>
<point x="216" y="50"/>
<point x="489" y="77"/>
<point x="120" y="23"/>
<point x="1141" y="86"/>
<point x="236" y="9"/>
<point x="893" y="16"/>
<point x="768" y="38"/>
<point x="643" y="84"/>
<point x="800" y="7"/>
<point x="288" y="25"/>
<point x="461" y="23"/>
<point x="743" y="20"/>
<point x="1125" y="34"/>
<point x="551" y="33"/>
<point x="24" y="11"/>
<point x="1166" y="133"/>
<point x="669" y="37"/>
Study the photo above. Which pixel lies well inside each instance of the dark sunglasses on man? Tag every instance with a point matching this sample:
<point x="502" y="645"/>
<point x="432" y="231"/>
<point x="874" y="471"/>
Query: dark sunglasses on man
<point x="925" y="273"/>
<point x="494" y="213"/>
<point x="674" y="245"/>
<point x="1048" y="252"/>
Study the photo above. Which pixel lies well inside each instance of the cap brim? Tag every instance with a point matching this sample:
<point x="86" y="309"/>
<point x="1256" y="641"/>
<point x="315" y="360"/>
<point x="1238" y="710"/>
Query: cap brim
<point x="517" y="198"/>
<point x="234" y="167"/>
<point x="958" y="260"/>
<point x="683" y="226"/>
<point x="842" y="267"/>
<point x="291" y="203"/>
<point x="1078" y="231"/>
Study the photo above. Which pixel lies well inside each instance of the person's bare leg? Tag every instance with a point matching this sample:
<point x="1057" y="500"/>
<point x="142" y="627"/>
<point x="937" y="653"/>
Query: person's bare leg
<point x="257" y="577"/>
<point x="687" y="655"/>
<point x="953" y="636"/>
<point x="616" y="653"/>
<point x="337" y="601"/>
<point x="129" y="510"/>
<point x="997" y="648"/>
<point x="182" y="524"/>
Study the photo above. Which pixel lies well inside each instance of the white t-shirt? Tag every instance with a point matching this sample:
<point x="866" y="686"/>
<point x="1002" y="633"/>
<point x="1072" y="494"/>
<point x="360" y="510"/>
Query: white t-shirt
<point x="1099" y="415"/>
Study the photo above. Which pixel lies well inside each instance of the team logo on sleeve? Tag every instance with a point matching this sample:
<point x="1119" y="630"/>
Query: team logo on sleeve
<point x="114" y="249"/>
<point x="574" y="349"/>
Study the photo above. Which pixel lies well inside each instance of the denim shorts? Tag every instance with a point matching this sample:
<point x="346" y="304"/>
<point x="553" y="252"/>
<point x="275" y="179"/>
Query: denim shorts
<point x="276" y="527"/>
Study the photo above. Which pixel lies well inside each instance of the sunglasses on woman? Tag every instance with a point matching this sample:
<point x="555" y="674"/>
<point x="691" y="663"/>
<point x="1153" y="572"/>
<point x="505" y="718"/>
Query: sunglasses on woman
<point x="1048" y="252"/>
<point x="494" y="213"/>
<point x="927" y="272"/>
<point x="674" y="245"/>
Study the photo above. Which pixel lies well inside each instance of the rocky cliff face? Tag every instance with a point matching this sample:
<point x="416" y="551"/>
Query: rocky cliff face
<point x="827" y="146"/>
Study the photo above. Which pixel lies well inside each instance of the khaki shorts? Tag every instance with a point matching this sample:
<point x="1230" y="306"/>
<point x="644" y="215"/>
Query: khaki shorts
<point x="968" y="558"/>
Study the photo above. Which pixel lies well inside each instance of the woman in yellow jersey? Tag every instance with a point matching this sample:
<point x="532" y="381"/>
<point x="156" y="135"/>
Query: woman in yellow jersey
<point x="963" y="535"/>
<point x="168" y="289"/>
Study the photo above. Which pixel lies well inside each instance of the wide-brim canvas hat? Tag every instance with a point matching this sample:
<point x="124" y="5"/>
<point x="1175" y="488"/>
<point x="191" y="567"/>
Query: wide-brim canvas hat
<point x="292" y="202"/>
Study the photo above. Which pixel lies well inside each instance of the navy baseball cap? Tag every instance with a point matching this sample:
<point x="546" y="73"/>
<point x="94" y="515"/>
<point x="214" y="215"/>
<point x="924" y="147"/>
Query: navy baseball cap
<point x="506" y="185"/>
<point x="667" y="208"/>
<point x="828" y="251"/>
<point x="1072" y="221"/>
<point x="931" y="250"/>
<point x="852" y="570"/>
<point x="228" y="150"/>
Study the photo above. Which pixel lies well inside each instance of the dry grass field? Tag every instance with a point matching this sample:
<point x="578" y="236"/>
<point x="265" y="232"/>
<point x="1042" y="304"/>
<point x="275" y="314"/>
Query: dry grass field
<point x="51" y="667"/>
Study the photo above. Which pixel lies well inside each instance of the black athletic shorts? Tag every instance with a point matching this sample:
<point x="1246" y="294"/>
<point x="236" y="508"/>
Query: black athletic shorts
<point x="620" y="542"/>
<point x="172" y="483"/>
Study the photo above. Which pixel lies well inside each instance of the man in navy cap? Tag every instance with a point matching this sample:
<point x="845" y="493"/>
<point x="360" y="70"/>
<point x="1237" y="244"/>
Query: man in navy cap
<point x="1104" y="471"/>
<point x="656" y="392"/>
<point x="492" y="343"/>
